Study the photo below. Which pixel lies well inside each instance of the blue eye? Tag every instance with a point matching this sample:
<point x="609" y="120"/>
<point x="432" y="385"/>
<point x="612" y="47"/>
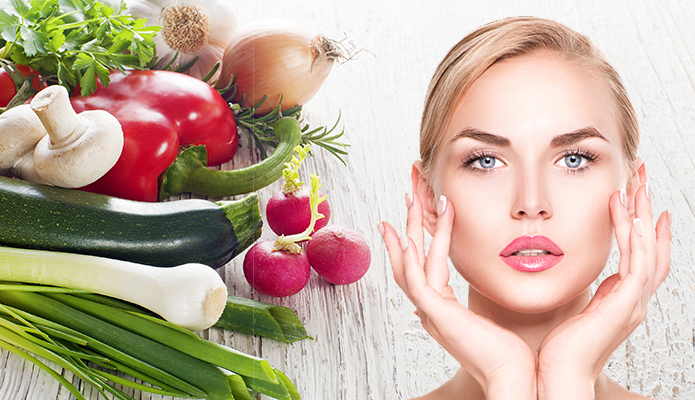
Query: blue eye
<point x="482" y="161"/>
<point x="487" y="162"/>
<point x="573" y="160"/>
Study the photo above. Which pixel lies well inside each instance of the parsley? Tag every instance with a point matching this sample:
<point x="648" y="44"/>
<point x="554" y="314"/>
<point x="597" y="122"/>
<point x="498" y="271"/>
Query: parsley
<point x="75" y="42"/>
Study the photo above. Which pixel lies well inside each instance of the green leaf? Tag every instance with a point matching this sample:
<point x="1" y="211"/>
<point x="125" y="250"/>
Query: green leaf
<point x="21" y="7"/>
<point x="88" y="83"/>
<point x="32" y="41"/>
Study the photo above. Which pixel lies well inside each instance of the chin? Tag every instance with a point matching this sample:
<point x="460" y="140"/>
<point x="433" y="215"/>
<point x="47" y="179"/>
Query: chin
<point x="539" y="292"/>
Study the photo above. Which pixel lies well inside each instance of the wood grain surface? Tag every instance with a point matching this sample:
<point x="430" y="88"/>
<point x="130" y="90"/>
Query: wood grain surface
<point x="368" y="344"/>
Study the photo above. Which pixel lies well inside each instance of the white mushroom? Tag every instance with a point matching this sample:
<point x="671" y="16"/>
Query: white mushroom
<point x="20" y="130"/>
<point x="79" y="148"/>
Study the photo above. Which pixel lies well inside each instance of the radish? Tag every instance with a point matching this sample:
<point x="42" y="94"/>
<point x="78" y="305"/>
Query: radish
<point x="281" y="268"/>
<point x="289" y="211"/>
<point x="339" y="255"/>
<point x="277" y="273"/>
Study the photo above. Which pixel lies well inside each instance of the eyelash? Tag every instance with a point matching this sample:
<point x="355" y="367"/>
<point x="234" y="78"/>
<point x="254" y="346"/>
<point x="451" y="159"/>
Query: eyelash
<point x="469" y="159"/>
<point x="475" y="156"/>
<point x="589" y="155"/>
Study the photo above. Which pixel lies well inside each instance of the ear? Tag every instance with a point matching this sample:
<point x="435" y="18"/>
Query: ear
<point x="421" y="186"/>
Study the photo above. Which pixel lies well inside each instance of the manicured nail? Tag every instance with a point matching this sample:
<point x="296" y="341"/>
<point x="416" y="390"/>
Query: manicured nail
<point x="404" y="243"/>
<point x="408" y="200"/>
<point x="623" y="197"/>
<point x="441" y="207"/>
<point x="380" y="228"/>
<point x="637" y="223"/>
<point x="648" y="190"/>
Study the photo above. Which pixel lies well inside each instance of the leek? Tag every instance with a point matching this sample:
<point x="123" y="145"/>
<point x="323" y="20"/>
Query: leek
<point x="190" y="295"/>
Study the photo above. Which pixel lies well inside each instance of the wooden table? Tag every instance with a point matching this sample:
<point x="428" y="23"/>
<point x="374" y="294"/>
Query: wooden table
<point x="368" y="344"/>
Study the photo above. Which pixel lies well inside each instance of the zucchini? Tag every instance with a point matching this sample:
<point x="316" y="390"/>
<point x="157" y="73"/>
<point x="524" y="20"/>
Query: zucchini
<point x="160" y="234"/>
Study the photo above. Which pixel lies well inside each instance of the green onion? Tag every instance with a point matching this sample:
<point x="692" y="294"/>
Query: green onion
<point x="262" y="319"/>
<point x="89" y="334"/>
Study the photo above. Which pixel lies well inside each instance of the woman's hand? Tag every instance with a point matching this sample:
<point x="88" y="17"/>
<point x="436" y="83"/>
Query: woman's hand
<point x="497" y="358"/>
<point x="573" y="354"/>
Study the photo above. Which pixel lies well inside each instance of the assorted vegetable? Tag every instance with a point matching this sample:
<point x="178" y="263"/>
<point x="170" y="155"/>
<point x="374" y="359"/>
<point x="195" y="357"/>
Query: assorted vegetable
<point x="281" y="268"/>
<point x="132" y="105"/>
<point x="159" y="111"/>
<point x="277" y="60"/>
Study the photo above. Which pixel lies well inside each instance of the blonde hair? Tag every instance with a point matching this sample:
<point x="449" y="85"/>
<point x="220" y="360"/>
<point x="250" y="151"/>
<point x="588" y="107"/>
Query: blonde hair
<point x="504" y="39"/>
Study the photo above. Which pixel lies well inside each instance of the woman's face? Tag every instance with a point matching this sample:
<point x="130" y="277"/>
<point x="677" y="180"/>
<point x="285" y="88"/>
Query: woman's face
<point x="529" y="160"/>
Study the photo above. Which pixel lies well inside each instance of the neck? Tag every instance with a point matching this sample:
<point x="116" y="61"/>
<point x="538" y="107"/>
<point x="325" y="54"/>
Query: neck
<point x="531" y="328"/>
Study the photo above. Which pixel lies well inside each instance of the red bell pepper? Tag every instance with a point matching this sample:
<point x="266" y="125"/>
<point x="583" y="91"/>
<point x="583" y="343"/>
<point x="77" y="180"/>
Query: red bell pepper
<point x="159" y="111"/>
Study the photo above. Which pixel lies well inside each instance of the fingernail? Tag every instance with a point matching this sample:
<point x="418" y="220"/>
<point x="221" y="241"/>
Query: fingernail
<point x="408" y="200"/>
<point x="441" y="207"/>
<point x="623" y="197"/>
<point x="670" y="217"/>
<point x="404" y="243"/>
<point x="637" y="223"/>
<point x="380" y="228"/>
<point x="648" y="190"/>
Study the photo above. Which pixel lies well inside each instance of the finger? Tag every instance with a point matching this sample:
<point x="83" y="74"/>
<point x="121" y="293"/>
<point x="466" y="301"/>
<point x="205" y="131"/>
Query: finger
<point x="436" y="267"/>
<point x="634" y="183"/>
<point x="632" y="287"/>
<point x="663" y="246"/>
<point x="414" y="227"/>
<point x="643" y="212"/>
<point x="603" y="290"/>
<point x="622" y="225"/>
<point x="422" y="294"/>
<point x="395" y="251"/>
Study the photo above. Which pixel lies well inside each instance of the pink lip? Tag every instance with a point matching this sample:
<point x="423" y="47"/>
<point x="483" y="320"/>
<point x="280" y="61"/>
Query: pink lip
<point x="532" y="263"/>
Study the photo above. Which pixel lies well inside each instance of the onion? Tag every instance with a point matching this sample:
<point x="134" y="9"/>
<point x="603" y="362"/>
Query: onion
<point x="278" y="59"/>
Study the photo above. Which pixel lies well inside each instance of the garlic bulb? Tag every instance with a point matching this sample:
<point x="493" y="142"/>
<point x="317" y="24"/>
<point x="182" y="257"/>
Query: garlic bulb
<point x="278" y="59"/>
<point x="192" y="28"/>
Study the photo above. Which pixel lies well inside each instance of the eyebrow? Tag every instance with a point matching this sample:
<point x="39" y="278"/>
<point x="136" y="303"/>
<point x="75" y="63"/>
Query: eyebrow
<point x="482" y="136"/>
<point x="576" y="136"/>
<point x="562" y="140"/>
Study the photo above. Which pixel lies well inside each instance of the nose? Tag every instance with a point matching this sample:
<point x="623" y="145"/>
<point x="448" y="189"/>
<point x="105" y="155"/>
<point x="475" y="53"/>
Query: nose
<point x="531" y="200"/>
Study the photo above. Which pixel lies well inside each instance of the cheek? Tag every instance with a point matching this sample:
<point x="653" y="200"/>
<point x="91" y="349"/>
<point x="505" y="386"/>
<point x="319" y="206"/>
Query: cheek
<point x="482" y="212"/>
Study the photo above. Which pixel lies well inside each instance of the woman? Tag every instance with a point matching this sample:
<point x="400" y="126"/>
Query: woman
<point x="528" y="170"/>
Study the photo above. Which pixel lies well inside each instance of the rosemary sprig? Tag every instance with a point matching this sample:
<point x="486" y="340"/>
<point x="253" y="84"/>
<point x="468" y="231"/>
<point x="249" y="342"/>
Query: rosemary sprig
<point x="259" y="129"/>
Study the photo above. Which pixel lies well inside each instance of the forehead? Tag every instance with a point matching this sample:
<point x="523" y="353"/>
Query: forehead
<point x="533" y="98"/>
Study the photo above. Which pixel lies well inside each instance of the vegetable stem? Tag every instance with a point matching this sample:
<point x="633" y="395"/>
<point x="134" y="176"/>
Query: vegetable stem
<point x="189" y="173"/>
